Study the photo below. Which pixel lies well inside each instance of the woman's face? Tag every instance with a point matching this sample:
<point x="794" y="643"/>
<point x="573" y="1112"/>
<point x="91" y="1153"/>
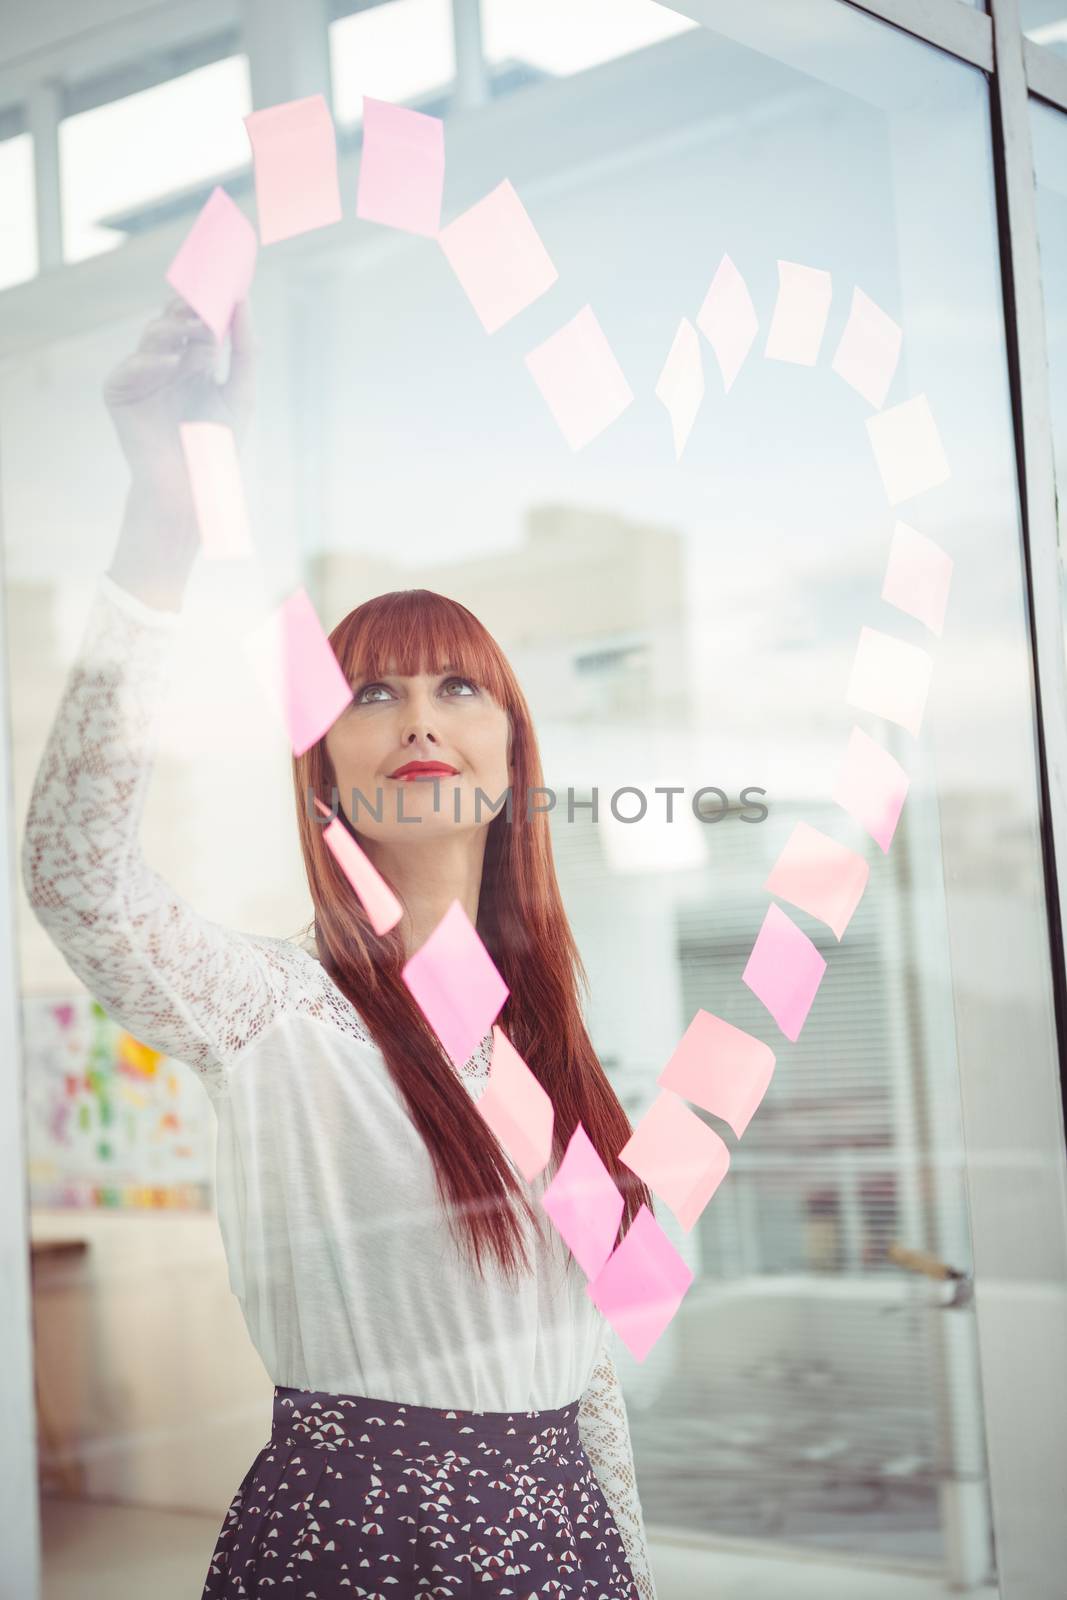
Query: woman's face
<point x="441" y="724"/>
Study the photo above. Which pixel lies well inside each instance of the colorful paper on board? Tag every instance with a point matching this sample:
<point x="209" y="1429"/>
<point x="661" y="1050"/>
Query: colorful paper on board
<point x="681" y="383"/>
<point x="868" y="351"/>
<point x="820" y="876"/>
<point x="584" y="1203"/>
<point x="917" y="577"/>
<point x="377" y="899"/>
<point x="583" y="385"/>
<point x="497" y="255"/>
<point x="214" y="267"/>
<point x="217" y="489"/>
<point x="641" y="1287"/>
<point x="908" y="449"/>
<point x="891" y="678"/>
<point x="401" y="168"/>
<point x="728" y="320"/>
<point x="871" y="786"/>
<point x="517" y="1108"/>
<point x="680" y="1158"/>
<point x="295" y="154"/>
<point x="456" y="985"/>
<point x="720" y="1068"/>
<point x="800" y="313"/>
<point x="293" y="659"/>
<point x="784" y="971"/>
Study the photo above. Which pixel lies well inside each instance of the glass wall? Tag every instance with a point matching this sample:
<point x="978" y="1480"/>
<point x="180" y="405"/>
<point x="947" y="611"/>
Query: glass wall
<point x="688" y="623"/>
<point x="694" y="624"/>
<point x="1045" y="22"/>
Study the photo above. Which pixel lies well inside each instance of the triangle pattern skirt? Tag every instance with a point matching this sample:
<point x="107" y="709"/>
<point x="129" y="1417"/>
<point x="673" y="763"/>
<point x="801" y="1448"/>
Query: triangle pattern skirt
<point x="364" y="1499"/>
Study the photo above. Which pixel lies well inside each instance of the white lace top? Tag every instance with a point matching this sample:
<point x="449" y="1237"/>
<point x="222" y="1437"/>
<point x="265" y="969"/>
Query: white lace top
<point x="339" y="1252"/>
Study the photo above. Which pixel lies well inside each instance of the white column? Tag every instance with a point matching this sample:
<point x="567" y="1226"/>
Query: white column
<point x="288" y="49"/>
<point x="471" y="86"/>
<point x="43" y="111"/>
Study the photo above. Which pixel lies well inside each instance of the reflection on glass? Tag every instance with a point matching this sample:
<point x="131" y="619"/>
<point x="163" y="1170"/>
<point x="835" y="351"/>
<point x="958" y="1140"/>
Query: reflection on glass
<point x="1045" y="22"/>
<point x="687" y="627"/>
<point x="18" y="224"/>
<point x="400" y="51"/>
<point x="116" y="158"/>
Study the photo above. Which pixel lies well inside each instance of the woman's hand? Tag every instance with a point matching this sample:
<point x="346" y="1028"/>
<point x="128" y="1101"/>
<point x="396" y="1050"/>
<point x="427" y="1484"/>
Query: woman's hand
<point x="170" y="379"/>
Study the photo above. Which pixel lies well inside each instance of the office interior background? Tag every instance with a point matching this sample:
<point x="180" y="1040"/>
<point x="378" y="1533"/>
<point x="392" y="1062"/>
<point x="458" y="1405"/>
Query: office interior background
<point x="817" y="1420"/>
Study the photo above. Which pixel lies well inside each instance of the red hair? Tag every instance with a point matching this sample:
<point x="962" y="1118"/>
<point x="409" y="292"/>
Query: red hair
<point x="521" y="921"/>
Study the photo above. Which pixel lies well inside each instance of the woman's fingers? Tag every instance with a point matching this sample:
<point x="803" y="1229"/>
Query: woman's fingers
<point x="177" y="326"/>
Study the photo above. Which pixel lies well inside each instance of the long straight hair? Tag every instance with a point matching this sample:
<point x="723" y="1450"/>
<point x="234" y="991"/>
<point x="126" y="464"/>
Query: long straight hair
<point x="521" y="921"/>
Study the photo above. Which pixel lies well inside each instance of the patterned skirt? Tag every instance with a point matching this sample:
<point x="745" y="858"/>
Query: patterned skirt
<point x="354" y="1497"/>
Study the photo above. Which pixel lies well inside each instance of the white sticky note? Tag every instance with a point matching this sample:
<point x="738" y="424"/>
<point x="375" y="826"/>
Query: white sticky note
<point x="728" y="320"/>
<point x="800" y="313"/>
<point x="681" y="383"/>
<point x="890" y="678"/>
<point x="868" y="351"/>
<point x="908" y="449"/>
<point x="582" y="383"/>
<point x="917" y="577"/>
<point x="497" y="255"/>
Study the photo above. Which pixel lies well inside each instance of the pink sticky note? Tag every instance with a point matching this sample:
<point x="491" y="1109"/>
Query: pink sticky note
<point x="377" y="899"/>
<point x="402" y="168"/>
<point x="871" y="786"/>
<point x="217" y="489"/>
<point x="497" y="255"/>
<point x="681" y="383"/>
<point x="869" y="350"/>
<point x="800" y="312"/>
<point x="917" y="577"/>
<point x="819" y="875"/>
<point x="678" y="1156"/>
<point x="728" y="320"/>
<point x="721" y="1068"/>
<point x="295" y="153"/>
<point x="214" y="267"/>
<point x="517" y="1108"/>
<point x="583" y="384"/>
<point x="641" y="1287"/>
<point x="292" y="657"/>
<point x="784" y="971"/>
<point x="455" y="983"/>
<point x="584" y="1203"/>
<point x="891" y="678"/>
<point x="908" y="449"/>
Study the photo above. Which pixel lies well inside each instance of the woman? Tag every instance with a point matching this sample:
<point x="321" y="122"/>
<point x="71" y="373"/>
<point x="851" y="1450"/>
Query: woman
<point x="446" y="1409"/>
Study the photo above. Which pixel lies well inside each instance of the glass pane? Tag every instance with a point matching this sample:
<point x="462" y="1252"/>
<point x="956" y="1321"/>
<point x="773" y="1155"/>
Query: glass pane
<point x="117" y="158"/>
<point x="527" y="40"/>
<point x="675" y="624"/>
<point x="18" y="226"/>
<point x="1050" y="168"/>
<point x="1045" y="22"/>
<point x="400" y="51"/>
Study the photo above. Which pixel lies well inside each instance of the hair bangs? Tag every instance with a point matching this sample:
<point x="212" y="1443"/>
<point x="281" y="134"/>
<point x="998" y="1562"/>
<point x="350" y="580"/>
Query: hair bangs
<point x="415" y="631"/>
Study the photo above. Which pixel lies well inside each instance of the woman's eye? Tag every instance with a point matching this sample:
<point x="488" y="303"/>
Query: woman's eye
<point x="466" y="681"/>
<point x="366" y="689"/>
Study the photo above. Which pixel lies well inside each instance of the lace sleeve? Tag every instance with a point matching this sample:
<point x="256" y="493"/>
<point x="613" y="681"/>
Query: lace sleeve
<point x="180" y="983"/>
<point x="605" y="1434"/>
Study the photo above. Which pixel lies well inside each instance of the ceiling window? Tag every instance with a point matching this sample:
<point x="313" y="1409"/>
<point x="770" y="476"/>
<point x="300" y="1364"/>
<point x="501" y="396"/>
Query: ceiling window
<point x="116" y="159"/>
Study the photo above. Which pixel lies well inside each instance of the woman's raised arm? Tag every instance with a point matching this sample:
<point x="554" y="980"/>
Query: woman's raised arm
<point x="180" y="983"/>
